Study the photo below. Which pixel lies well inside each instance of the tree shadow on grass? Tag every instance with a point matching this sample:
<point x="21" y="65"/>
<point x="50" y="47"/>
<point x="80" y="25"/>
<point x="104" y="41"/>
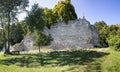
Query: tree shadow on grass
<point x="56" y="58"/>
<point x="76" y="57"/>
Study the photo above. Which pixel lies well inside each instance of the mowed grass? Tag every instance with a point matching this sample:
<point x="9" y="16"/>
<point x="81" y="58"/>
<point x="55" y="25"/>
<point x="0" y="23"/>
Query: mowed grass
<point x="111" y="62"/>
<point x="61" y="61"/>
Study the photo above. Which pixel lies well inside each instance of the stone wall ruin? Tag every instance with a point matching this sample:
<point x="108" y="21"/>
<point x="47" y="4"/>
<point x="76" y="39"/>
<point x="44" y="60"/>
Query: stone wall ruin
<point x="76" y="34"/>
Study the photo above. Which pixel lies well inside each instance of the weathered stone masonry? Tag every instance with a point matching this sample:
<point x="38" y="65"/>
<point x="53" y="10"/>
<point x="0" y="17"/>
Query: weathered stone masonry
<point x="76" y="34"/>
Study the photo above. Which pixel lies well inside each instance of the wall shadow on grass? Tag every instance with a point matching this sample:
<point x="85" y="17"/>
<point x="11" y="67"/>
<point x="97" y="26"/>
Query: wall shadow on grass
<point x="56" y="58"/>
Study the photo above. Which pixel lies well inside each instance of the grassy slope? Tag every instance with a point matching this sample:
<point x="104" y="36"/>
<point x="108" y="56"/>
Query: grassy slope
<point x="62" y="61"/>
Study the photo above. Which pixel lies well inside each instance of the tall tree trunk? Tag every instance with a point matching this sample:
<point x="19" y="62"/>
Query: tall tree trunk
<point x="3" y="33"/>
<point x="39" y="49"/>
<point x="5" y="46"/>
<point x="5" y="42"/>
<point x="7" y="51"/>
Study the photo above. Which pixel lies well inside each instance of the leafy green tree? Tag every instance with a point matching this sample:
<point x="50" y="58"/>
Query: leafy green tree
<point x="35" y="19"/>
<point x="102" y="28"/>
<point x="49" y="17"/>
<point x="2" y="31"/>
<point x="114" y="42"/>
<point x="109" y="35"/>
<point x="68" y="1"/>
<point x="36" y="24"/>
<point x="104" y="32"/>
<point x="41" y="39"/>
<point x="16" y="33"/>
<point x="24" y="26"/>
<point x="9" y="9"/>
<point x="64" y="11"/>
<point x="99" y="25"/>
<point x="113" y="30"/>
<point x="114" y="37"/>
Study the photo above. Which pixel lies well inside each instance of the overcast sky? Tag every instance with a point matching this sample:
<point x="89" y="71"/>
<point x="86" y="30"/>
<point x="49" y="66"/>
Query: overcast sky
<point x="93" y="10"/>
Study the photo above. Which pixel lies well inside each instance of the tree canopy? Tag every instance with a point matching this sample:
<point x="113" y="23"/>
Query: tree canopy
<point x="109" y="35"/>
<point x="64" y="11"/>
<point x="36" y="21"/>
<point x="99" y="25"/>
<point x="49" y="17"/>
<point x="35" y="18"/>
<point x="8" y="11"/>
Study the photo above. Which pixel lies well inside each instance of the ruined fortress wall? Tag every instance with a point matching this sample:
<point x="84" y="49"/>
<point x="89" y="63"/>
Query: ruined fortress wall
<point x="76" y="34"/>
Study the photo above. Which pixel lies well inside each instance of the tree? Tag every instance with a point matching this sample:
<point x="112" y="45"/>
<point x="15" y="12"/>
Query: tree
<point x="49" y="17"/>
<point x="109" y="35"/>
<point x="114" y="37"/>
<point x="64" y="11"/>
<point x="102" y="28"/>
<point x="9" y="9"/>
<point x="23" y="25"/>
<point x="114" y="42"/>
<point x="35" y="19"/>
<point x="68" y="1"/>
<point x="16" y="33"/>
<point x="36" y="23"/>
<point x="41" y="39"/>
<point x="99" y="25"/>
<point x="104" y="33"/>
<point x="3" y="37"/>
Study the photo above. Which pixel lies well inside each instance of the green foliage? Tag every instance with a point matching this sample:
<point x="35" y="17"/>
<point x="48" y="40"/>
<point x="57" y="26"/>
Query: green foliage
<point x="103" y="32"/>
<point x="41" y="39"/>
<point x="64" y="11"/>
<point x="99" y="25"/>
<point x="36" y="21"/>
<point x="49" y="17"/>
<point x="12" y="8"/>
<point x="109" y="35"/>
<point x="103" y="36"/>
<point x="16" y="33"/>
<point x="3" y="37"/>
<point x="24" y="27"/>
<point x="114" y="37"/>
<point x="114" y="42"/>
<point x="35" y="18"/>
<point x="9" y="10"/>
<point x="68" y="1"/>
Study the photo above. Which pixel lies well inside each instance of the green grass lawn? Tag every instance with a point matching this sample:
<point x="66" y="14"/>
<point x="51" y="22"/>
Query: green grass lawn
<point x="111" y="62"/>
<point x="62" y="61"/>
